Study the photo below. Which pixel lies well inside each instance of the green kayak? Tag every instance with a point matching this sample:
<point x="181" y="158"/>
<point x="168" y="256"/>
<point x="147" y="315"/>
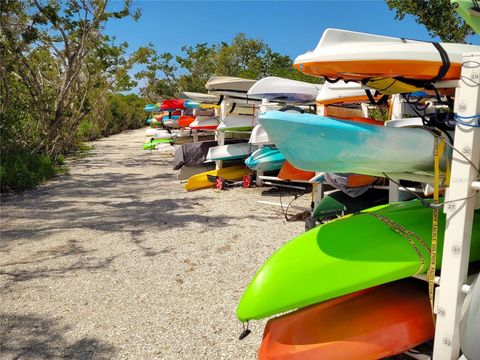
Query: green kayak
<point x="346" y="255"/>
<point x="152" y="145"/>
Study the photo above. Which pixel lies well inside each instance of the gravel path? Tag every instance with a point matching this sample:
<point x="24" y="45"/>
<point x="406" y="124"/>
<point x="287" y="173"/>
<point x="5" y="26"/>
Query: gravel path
<point x="117" y="261"/>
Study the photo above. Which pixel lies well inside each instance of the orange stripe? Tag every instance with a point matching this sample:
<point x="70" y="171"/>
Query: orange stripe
<point x="360" y="69"/>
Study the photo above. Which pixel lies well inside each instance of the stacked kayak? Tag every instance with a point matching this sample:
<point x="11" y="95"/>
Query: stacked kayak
<point x="237" y="123"/>
<point x="335" y="259"/>
<point x="369" y="324"/>
<point x="203" y="122"/>
<point x="350" y="147"/>
<point x="230" y="151"/>
<point x="277" y="89"/>
<point x="201" y="181"/>
<point x="265" y="159"/>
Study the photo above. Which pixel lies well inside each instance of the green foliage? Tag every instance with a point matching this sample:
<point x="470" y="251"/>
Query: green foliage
<point x="20" y="170"/>
<point x="243" y="57"/>
<point x="438" y="16"/>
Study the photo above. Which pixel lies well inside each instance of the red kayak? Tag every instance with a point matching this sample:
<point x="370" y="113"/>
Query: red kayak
<point x="370" y="324"/>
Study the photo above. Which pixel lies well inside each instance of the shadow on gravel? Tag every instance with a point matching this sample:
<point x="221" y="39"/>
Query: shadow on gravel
<point x="31" y="336"/>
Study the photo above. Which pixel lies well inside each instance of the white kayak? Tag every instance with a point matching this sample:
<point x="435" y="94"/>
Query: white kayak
<point x="203" y="122"/>
<point x="157" y="134"/>
<point x="259" y="136"/>
<point x="276" y="89"/>
<point x="228" y="83"/>
<point x="342" y="92"/>
<point x="230" y="151"/>
<point x="237" y="123"/>
<point x="199" y="97"/>
<point x="354" y="55"/>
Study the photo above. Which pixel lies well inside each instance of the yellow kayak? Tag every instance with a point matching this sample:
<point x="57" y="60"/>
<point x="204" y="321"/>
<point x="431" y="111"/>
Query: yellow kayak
<point x="200" y="181"/>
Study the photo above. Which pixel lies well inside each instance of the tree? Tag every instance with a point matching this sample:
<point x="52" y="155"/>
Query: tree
<point x="243" y="57"/>
<point x="438" y="16"/>
<point x="56" y="60"/>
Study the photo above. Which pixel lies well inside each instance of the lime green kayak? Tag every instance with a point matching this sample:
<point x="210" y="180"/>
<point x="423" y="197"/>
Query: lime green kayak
<point x="152" y="145"/>
<point x="346" y="255"/>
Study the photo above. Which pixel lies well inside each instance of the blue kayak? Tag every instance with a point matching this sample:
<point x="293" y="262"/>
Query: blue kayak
<point x="318" y="143"/>
<point x="265" y="159"/>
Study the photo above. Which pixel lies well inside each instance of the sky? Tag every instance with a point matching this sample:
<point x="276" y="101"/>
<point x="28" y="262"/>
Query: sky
<point x="288" y="27"/>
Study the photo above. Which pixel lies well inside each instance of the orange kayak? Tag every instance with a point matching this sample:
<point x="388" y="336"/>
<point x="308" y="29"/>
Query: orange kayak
<point x="370" y="324"/>
<point x="185" y="120"/>
<point x="289" y="172"/>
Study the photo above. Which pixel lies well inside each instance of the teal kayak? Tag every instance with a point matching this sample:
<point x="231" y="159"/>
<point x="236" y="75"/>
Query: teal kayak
<point x="350" y="254"/>
<point x="265" y="159"/>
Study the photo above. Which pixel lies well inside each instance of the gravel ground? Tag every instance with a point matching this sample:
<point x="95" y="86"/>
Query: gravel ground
<point x="117" y="261"/>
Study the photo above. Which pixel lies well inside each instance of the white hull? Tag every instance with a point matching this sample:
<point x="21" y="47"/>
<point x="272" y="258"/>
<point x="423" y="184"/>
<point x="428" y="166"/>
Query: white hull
<point x="277" y="89"/>
<point x="230" y="152"/>
<point x="237" y="122"/>
<point x="259" y="136"/>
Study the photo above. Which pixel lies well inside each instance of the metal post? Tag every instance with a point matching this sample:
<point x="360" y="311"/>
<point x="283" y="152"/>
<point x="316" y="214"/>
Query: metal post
<point x="459" y="214"/>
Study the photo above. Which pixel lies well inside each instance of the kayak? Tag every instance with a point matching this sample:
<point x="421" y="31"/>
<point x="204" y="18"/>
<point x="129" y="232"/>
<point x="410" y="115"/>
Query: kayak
<point x="185" y="120"/>
<point x="338" y="203"/>
<point x="470" y="323"/>
<point x="342" y="92"/>
<point x="346" y="255"/>
<point x="200" y="181"/>
<point x="152" y="144"/>
<point x="374" y="323"/>
<point x="259" y="136"/>
<point x="290" y="172"/>
<point x="265" y="159"/>
<point x="276" y="89"/>
<point x="157" y="134"/>
<point x="469" y="10"/>
<point x="353" y="55"/>
<point x="230" y="84"/>
<point x="318" y="143"/>
<point x="237" y="123"/>
<point x="199" y="97"/>
<point x="186" y="172"/>
<point x="230" y="151"/>
<point x="204" y="123"/>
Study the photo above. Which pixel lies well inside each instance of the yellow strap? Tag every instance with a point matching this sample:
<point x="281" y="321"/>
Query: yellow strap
<point x="439" y="146"/>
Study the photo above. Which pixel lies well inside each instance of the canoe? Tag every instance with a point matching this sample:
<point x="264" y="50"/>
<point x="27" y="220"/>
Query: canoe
<point x="230" y="151"/>
<point x="317" y="143"/>
<point x="289" y="172"/>
<point x="276" y="89"/>
<point x="353" y="55"/>
<point x="152" y="144"/>
<point x="374" y="323"/>
<point x="200" y="181"/>
<point x="469" y="10"/>
<point x="185" y="120"/>
<point x="199" y="97"/>
<point x="237" y="123"/>
<point x="259" y="136"/>
<point x="265" y="159"/>
<point x="204" y="123"/>
<point x="346" y="255"/>
<point x="342" y="92"/>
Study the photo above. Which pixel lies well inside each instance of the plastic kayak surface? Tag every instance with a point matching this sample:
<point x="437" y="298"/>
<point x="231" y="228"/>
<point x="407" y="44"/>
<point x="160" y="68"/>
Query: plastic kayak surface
<point x="265" y="159"/>
<point x="290" y="172"/>
<point x="200" y="181"/>
<point x="230" y="151"/>
<point x="237" y="123"/>
<point x="317" y="143"/>
<point x="152" y="145"/>
<point x="276" y="89"/>
<point x="346" y="255"/>
<point x="370" y="324"/>
<point x="354" y="55"/>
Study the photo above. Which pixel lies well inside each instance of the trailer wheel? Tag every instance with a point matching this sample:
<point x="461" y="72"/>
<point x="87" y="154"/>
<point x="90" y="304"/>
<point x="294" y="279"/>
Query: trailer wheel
<point x="220" y="183"/>
<point x="247" y="181"/>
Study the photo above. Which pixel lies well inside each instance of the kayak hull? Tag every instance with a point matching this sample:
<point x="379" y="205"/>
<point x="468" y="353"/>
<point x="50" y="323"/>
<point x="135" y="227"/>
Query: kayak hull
<point x="370" y="324"/>
<point x="334" y="259"/>
<point x="230" y="151"/>
<point x="265" y="159"/>
<point x="200" y="181"/>
<point x="317" y="143"/>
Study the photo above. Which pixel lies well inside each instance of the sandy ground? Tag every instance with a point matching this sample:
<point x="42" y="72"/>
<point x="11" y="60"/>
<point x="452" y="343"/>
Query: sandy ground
<point x="117" y="261"/>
